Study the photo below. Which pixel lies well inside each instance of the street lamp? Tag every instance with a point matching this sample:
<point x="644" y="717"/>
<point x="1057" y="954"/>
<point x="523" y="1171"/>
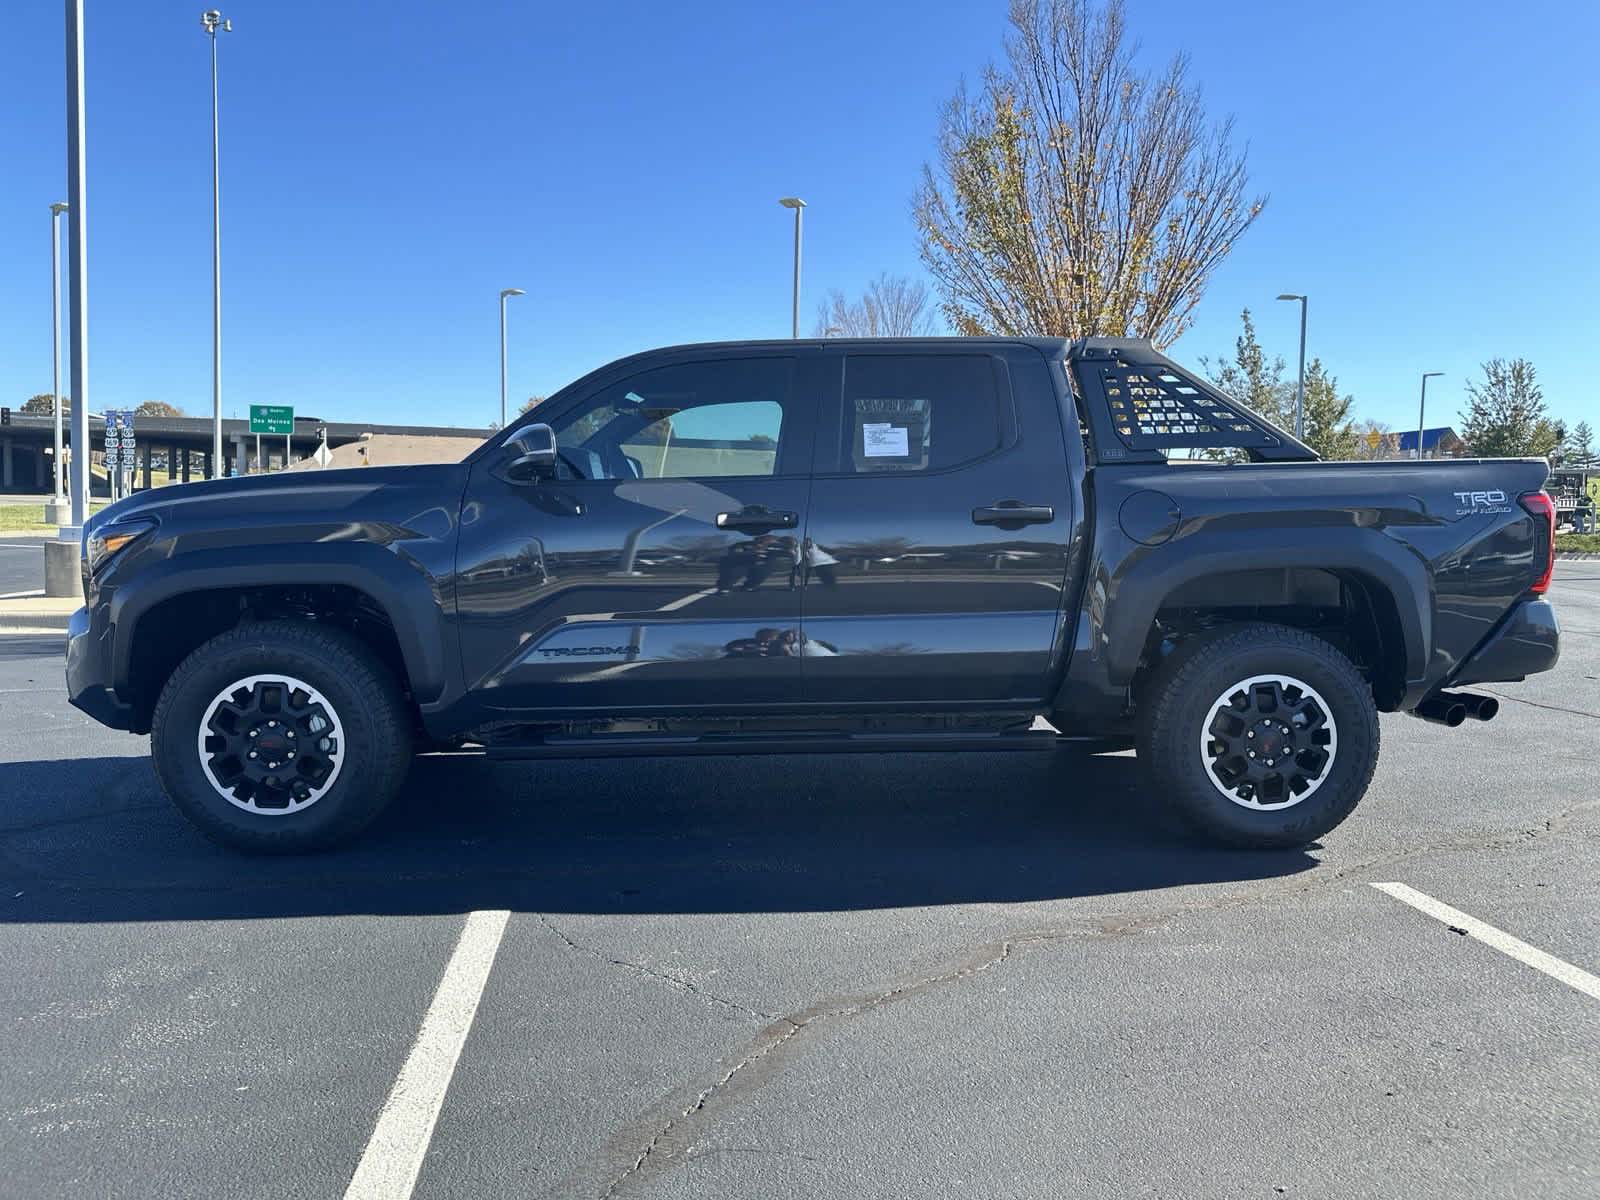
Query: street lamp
<point x="1300" y="389"/>
<point x="77" y="271"/>
<point x="1422" y="409"/>
<point x="797" y="204"/>
<point x="57" y="469"/>
<point x="504" y="293"/>
<point x="212" y="20"/>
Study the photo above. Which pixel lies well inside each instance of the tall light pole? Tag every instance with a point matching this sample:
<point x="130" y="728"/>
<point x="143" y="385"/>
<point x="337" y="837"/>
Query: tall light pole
<point x="1422" y="409"/>
<point x="505" y="294"/>
<point x="1300" y="389"/>
<point x="77" y="267"/>
<point x="213" y="22"/>
<point x="797" y="204"/>
<point x="57" y="468"/>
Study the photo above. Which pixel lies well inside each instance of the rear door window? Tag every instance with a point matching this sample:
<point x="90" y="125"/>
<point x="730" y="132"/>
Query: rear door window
<point x="918" y="412"/>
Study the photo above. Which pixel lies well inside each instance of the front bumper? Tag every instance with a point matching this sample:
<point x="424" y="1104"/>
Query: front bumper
<point x="89" y="673"/>
<point x="1527" y="642"/>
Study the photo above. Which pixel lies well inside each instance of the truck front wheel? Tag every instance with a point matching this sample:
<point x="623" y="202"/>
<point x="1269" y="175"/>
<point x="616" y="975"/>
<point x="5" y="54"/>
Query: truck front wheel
<point x="281" y="736"/>
<point x="1261" y="736"/>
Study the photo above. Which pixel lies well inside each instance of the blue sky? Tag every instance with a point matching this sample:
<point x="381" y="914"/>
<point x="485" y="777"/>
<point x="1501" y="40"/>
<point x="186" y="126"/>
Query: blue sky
<point x="388" y="169"/>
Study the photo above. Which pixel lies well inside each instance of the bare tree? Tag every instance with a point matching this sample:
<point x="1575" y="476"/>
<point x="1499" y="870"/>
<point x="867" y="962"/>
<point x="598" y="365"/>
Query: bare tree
<point x="1075" y="195"/>
<point x="1373" y="440"/>
<point x="892" y="306"/>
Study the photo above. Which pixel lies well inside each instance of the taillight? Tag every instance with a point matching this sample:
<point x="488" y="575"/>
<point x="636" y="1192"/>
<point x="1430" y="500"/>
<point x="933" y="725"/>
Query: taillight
<point x="1542" y="508"/>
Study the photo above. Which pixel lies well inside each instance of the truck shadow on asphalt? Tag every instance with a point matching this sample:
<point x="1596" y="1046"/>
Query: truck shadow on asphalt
<point x="93" y="839"/>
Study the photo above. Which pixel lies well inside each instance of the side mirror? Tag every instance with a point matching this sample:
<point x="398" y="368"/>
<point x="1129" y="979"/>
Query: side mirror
<point x="532" y="453"/>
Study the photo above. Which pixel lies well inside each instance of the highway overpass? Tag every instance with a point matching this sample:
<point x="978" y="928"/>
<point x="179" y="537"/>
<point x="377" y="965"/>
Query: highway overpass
<point x="183" y="446"/>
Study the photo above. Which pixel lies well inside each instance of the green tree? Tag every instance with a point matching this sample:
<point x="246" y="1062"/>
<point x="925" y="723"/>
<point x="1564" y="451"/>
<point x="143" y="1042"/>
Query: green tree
<point x="533" y="402"/>
<point x="1550" y="441"/>
<point x="1505" y="415"/>
<point x="1076" y="194"/>
<point x="1580" y="446"/>
<point x="1330" y="430"/>
<point x="1253" y="379"/>
<point x="42" y="405"/>
<point x="157" y="408"/>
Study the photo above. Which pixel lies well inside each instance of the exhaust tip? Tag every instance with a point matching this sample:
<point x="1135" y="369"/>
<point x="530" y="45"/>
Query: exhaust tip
<point x="1487" y="709"/>
<point x="1454" y="715"/>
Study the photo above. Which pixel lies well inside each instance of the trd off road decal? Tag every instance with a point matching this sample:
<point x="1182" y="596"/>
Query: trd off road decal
<point x="1477" y="504"/>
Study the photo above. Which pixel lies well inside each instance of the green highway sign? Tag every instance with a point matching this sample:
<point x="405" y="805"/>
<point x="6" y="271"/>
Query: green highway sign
<point x="271" y="418"/>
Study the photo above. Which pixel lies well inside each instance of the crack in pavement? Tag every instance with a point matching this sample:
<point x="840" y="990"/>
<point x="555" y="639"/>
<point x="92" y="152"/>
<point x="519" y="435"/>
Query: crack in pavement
<point x="1576" y="712"/>
<point x="676" y="981"/>
<point x="784" y="1030"/>
<point x="666" y="1129"/>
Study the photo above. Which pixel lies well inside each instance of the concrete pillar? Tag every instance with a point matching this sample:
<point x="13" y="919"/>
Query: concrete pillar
<point x="5" y="464"/>
<point x="144" y="453"/>
<point x="240" y="455"/>
<point x="40" y="474"/>
<point x="62" y="575"/>
<point x="185" y="453"/>
<point x="205" y="459"/>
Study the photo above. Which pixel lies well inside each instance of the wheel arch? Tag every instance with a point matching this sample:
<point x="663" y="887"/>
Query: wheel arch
<point x="1384" y="589"/>
<point x="175" y="606"/>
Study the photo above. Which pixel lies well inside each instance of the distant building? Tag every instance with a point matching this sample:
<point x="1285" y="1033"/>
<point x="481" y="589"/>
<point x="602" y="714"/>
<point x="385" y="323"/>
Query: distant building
<point x="1442" y="442"/>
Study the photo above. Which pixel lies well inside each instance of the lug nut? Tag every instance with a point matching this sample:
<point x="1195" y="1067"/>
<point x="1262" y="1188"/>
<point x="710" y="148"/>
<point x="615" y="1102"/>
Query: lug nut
<point x="252" y="754"/>
<point x="290" y="734"/>
<point x="1250" y="733"/>
<point x="255" y="733"/>
<point x="272" y="724"/>
<point x="1252" y="754"/>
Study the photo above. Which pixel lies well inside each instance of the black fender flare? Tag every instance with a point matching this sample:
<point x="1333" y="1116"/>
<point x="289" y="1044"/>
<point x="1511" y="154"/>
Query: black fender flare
<point x="1153" y="574"/>
<point x="406" y="594"/>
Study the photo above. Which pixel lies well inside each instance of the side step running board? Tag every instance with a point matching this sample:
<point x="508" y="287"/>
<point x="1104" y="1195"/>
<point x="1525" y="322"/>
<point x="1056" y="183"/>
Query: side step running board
<point x="629" y="745"/>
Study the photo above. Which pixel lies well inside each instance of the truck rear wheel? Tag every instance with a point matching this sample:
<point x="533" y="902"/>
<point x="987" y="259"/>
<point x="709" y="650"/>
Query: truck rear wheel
<point x="1261" y="736"/>
<point x="281" y="736"/>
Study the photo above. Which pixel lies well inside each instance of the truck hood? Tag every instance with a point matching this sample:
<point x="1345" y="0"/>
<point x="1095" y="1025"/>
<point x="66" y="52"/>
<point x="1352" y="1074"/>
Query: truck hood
<point x="293" y="496"/>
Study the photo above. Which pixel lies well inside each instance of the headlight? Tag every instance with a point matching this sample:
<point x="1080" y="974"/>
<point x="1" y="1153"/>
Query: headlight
<point x="104" y="543"/>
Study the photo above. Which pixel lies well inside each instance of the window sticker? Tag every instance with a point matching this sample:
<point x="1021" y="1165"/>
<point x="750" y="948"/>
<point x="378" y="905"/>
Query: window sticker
<point x="891" y="433"/>
<point x="883" y="440"/>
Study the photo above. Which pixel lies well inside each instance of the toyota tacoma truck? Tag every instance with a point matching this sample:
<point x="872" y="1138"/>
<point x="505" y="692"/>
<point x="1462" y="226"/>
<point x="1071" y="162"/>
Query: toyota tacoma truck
<point x="778" y="547"/>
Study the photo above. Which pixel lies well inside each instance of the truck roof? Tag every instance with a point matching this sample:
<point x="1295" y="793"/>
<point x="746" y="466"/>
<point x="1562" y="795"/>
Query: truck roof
<point x="1048" y="345"/>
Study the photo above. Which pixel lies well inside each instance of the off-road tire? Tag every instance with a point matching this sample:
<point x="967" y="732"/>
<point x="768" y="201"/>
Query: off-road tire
<point x="1175" y="706"/>
<point x="372" y="712"/>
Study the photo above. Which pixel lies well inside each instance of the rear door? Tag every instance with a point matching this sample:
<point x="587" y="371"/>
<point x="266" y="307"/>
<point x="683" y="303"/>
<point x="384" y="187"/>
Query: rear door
<point x="937" y="546"/>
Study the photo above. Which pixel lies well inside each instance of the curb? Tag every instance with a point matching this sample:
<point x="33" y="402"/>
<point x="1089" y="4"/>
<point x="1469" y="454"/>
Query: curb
<point x="35" y="615"/>
<point x="1576" y="556"/>
<point x="32" y="625"/>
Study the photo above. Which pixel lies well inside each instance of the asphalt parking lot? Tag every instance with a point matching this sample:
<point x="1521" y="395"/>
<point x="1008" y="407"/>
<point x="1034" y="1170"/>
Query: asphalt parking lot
<point x="799" y="977"/>
<point x="21" y="565"/>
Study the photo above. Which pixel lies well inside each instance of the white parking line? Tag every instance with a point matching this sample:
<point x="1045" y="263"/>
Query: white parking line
<point x="1532" y="956"/>
<point x="393" y="1157"/>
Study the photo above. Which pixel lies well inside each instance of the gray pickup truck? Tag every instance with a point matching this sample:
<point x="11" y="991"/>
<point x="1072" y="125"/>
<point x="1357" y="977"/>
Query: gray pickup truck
<point x="838" y="545"/>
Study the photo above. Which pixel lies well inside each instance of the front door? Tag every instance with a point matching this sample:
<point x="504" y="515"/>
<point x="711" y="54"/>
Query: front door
<point x="657" y="572"/>
<point x="939" y="535"/>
